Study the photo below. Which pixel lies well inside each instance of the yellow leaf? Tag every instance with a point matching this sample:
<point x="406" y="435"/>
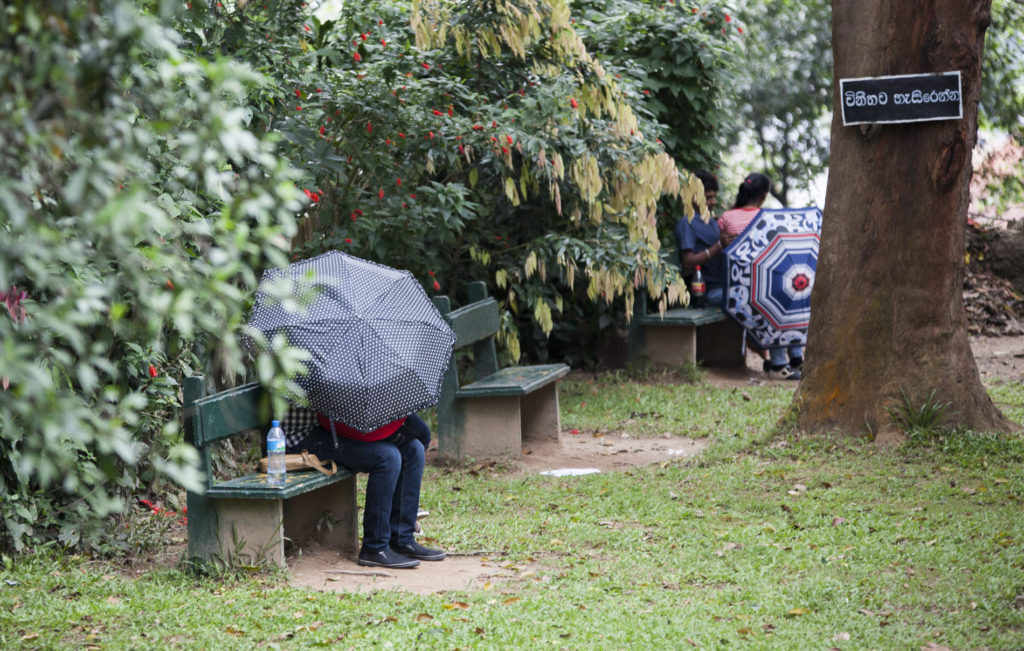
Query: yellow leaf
<point x="462" y="605"/>
<point x="796" y="612"/>
<point x="510" y="601"/>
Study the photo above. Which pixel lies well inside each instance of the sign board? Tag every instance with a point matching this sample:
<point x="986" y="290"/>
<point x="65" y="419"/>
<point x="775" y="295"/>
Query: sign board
<point x="901" y="98"/>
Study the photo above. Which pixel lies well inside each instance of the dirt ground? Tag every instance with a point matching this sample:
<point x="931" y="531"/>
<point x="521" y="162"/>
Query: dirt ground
<point x="465" y="570"/>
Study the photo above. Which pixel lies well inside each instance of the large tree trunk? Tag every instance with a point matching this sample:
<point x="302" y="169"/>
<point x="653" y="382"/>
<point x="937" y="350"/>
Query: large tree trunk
<point x="887" y="312"/>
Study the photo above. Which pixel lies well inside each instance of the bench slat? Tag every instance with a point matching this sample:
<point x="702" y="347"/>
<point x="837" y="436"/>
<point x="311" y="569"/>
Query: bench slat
<point x="514" y="381"/>
<point x="255" y="487"/>
<point x="685" y="317"/>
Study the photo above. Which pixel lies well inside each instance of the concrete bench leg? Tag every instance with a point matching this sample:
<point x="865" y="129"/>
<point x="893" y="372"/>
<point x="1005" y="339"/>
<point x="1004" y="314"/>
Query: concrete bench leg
<point x="670" y="345"/>
<point x="484" y="428"/>
<point x="541" y="421"/>
<point x="326" y="516"/>
<point x="250" y="531"/>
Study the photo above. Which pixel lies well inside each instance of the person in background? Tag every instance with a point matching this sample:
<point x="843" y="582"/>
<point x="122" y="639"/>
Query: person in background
<point x="749" y="199"/>
<point x="782" y="363"/>
<point x="393" y="456"/>
<point x="700" y="243"/>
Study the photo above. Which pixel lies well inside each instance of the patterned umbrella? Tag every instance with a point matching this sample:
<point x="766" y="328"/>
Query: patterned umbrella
<point x="379" y="348"/>
<point x="770" y="273"/>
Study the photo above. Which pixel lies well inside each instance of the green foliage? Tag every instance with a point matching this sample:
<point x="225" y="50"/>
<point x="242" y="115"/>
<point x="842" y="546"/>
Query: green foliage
<point x="137" y="210"/>
<point x="457" y="141"/>
<point x="923" y="419"/>
<point x="784" y="90"/>
<point x="676" y="60"/>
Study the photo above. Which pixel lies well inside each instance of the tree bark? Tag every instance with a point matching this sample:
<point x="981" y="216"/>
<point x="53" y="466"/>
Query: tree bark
<point x="887" y="311"/>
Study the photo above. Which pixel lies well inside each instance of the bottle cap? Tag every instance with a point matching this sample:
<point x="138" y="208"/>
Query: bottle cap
<point x="275" y="423"/>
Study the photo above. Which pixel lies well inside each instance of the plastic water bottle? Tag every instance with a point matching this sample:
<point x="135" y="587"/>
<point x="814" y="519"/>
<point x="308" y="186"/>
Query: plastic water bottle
<point x="697" y="289"/>
<point x="275" y="454"/>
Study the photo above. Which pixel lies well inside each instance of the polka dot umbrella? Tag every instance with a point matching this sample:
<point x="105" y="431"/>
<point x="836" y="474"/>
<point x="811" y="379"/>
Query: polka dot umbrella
<point x="378" y="347"/>
<point x="770" y="273"/>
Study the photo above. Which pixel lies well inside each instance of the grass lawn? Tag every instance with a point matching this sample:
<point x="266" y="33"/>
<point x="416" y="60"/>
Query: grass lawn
<point x="768" y="540"/>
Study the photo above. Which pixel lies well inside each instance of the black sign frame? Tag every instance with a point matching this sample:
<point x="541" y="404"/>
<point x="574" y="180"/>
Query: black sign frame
<point x="901" y="98"/>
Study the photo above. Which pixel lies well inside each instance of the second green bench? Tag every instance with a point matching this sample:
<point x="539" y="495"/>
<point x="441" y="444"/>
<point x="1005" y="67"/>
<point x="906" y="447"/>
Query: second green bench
<point x="503" y="408"/>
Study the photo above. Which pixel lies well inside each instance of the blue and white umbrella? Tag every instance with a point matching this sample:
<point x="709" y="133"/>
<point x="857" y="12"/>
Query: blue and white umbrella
<point x="378" y="347"/>
<point x="770" y="270"/>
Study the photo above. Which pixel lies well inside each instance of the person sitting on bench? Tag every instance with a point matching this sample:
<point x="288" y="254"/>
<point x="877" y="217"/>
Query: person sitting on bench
<point x="702" y="243"/>
<point x="393" y="456"/>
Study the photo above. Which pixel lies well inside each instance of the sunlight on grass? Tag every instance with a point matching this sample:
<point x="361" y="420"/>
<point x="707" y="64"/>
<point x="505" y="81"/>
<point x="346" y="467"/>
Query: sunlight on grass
<point x="774" y="540"/>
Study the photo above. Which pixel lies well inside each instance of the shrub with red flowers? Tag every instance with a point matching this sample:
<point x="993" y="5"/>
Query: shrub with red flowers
<point x="535" y="142"/>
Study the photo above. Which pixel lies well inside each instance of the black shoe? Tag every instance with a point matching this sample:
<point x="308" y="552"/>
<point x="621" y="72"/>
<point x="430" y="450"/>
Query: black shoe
<point x="386" y="557"/>
<point x="416" y="550"/>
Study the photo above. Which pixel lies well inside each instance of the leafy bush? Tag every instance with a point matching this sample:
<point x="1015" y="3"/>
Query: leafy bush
<point x="137" y="207"/>
<point x="467" y="141"/>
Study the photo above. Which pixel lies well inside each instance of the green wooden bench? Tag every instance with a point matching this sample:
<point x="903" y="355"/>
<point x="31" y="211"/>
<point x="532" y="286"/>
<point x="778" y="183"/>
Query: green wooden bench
<point x="685" y="335"/>
<point x="502" y="409"/>
<point x="245" y="520"/>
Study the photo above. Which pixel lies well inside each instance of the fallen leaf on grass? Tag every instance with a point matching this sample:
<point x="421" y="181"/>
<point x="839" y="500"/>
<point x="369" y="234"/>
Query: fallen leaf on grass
<point x="841" y="637"/>
<point x="797" y="612"/>
<point x="931" y="646"/>
<point x="456" y="604"/>
<point x="510" y="601"/>
<point x="29" y="636"/>
<point x="785" y="508"/>
<point x="838" y="521"/>
<point x="424" y="617"/>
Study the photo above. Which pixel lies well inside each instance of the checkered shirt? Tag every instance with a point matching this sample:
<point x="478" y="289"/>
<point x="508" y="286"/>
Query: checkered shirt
<point x="297" y="423"/>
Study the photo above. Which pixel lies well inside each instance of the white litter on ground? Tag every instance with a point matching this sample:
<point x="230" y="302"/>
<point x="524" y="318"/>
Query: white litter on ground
<point x="569" y="472"/>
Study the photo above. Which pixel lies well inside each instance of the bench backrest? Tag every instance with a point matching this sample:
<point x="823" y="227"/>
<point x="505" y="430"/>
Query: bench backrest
<point x="474" y="325"/>
<point x="221" y="416"/>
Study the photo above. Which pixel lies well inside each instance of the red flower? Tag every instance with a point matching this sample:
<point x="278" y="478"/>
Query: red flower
<point x="380" y="193"/>
<point x="365" y="35"/>
<point x="426" y="66"/>
<point x="319" y="91"/>
<point x="369" y="126"/>
<point x="298" y="108"/>
<point x="573" y="102"/>
<point x="170" y="285"/>
<point x="355" y="55"/>
<point x="306" y="27"/>
<point x="494" y="124"/>
<point x="401" y="135"/>
<point x="462" y="150"/>
<point x="727" y="18"/>
<point x="152" y="371"/>
<point x="322" y="130"/>
<point x="450" y="112"/>
<point x="508" y="138"/>
<point x="383" y="42"/>
<point x="739" y="29"/>
<point x="575" y="431"/>
<point x="647" y="92"/>
<point x="380" y="22"/>
<point x="353" y="216"/>
<point x="436" y="112"/>
<point x="412" y="196"/>
<point x="430" y="273"/>
<point x="477" y="127"/>
<point x="348" y="241"/>
<point x="504" y="151"/>
<point x="399" y="182"/>
<point x="298" y="93"/>
<point x="430" y="135"/>
<point x="437" y="286"/>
